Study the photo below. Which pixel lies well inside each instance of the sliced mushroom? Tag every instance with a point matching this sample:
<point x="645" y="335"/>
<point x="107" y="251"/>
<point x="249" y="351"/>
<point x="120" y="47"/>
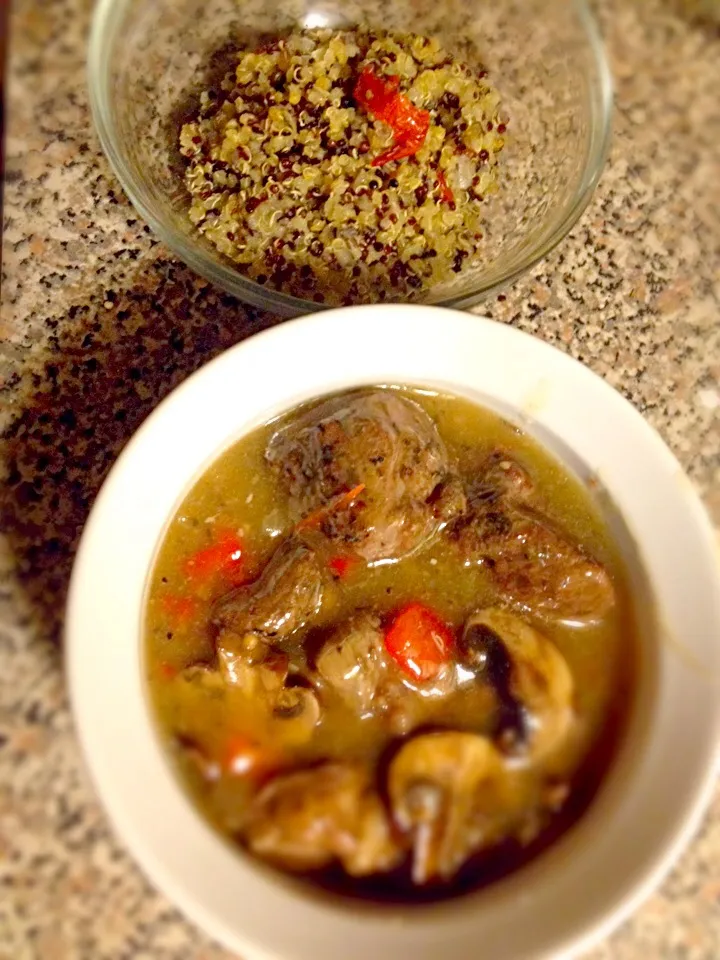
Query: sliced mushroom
<point x="293" y="711"/>
<point x="308" y="819"/>
<point x="376" y="849"/>
<point x="296" y="713"/>
<point x="451" y="792"/>
<point x="256" y="669"/>
<point x="532" y="681"/>
<point x="204" y="677"/>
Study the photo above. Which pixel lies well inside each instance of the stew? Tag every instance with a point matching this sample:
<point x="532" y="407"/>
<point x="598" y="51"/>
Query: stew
<point x="390" y="645"/>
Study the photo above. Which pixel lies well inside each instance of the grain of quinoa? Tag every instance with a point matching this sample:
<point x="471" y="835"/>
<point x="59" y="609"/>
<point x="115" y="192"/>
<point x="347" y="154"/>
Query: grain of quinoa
<point x="280" y="166"/>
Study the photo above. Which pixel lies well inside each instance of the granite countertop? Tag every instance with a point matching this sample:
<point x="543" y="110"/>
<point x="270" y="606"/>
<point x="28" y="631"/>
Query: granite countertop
<point x="99" y="322"/>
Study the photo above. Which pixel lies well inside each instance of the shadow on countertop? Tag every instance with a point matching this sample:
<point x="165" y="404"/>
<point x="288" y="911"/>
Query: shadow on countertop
<point x="704" y="13"/>
<point x="119" y="353"/>
<point x="107" y="360"/>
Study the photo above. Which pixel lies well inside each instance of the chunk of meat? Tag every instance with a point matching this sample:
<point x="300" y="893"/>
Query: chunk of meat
<point x="310" y="818"/>
<point x="536" y="567"/>
<point x="531" y="679"/>
<point x="383" y="445"/>
<point x="501" y="476"/>
<point x="452" y="794"/>
<point x="357" y="665"/>
<point x="532" y="564"/>
<point x="280" y="603"/>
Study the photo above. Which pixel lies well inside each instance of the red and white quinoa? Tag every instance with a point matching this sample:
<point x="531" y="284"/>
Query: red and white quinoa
<point x="287" y="176"/>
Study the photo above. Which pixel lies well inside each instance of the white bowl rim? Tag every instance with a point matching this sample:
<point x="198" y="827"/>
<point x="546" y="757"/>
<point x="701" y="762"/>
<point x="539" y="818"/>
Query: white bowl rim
<point x="600" y="883"/>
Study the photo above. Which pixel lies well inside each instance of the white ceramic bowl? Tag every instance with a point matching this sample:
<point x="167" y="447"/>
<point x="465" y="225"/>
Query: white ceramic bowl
<point x="651" y="800"/>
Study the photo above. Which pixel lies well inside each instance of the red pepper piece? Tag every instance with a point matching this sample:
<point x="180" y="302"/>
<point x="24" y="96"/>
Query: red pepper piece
<point x="245" y="758"/>
<point x="445" y="191"/>
<point x="409" y="124"/>
<point x="343" y="500"/>
<point x="223" y="558"/>
<point x="179" y="609"/>
<point x="342" y="565"/>
<point x="376" y="94"/>
<point x="418" y="641"/>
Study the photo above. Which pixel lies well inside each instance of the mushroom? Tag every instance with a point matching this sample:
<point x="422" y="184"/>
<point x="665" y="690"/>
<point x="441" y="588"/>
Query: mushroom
<point x="309" y="818"/>
<point x="451" y="792"/>
<point x="203" y="676"/>
<point x="255" y="668"/>
<point x="531" y="679"/>
<point x="296" y="713"/>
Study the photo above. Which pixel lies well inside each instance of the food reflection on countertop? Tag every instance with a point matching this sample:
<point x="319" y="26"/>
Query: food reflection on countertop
<point x="342" y="166"/>
<point x="390" y="644"/>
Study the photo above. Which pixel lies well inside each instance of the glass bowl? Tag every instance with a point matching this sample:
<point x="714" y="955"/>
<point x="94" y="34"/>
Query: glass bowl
<point x="149" y="59"/>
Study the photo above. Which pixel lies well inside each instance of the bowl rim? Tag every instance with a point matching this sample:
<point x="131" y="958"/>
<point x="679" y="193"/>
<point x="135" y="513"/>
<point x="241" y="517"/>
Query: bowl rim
<point x="547" y="388"/>
<point x="107" y="15"/>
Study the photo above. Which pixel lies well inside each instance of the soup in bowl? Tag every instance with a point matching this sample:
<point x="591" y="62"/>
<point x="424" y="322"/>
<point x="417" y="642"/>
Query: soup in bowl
<point x="392" y="643"/>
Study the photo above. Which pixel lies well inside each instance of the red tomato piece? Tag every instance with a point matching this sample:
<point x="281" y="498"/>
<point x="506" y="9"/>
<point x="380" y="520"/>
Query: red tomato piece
<point x="223" y="557"/>
<point x="376" y="94"/>
<point x="342" y="565"/>
<point x="380" y="97"/>
<point x="410" y="126"/>
<point x="418" y="641"/>
<point x="179" y="609"/>
<point x="346" y="499"/>
<point x="245" y="758"/>
<point x="445" y="191"/>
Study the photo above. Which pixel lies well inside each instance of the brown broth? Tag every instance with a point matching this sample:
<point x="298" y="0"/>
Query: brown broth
<point x="238" y="492"/>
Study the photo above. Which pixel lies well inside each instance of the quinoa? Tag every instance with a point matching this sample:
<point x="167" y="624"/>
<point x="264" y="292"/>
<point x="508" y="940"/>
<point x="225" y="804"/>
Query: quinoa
<point x="280" y="166"/>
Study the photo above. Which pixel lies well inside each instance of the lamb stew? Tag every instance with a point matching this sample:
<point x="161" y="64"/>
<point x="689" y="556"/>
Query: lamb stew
<point x="390" y="645"/>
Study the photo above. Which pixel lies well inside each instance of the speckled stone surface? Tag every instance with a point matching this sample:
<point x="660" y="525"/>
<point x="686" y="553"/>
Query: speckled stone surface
<point x="98" y="322"/>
